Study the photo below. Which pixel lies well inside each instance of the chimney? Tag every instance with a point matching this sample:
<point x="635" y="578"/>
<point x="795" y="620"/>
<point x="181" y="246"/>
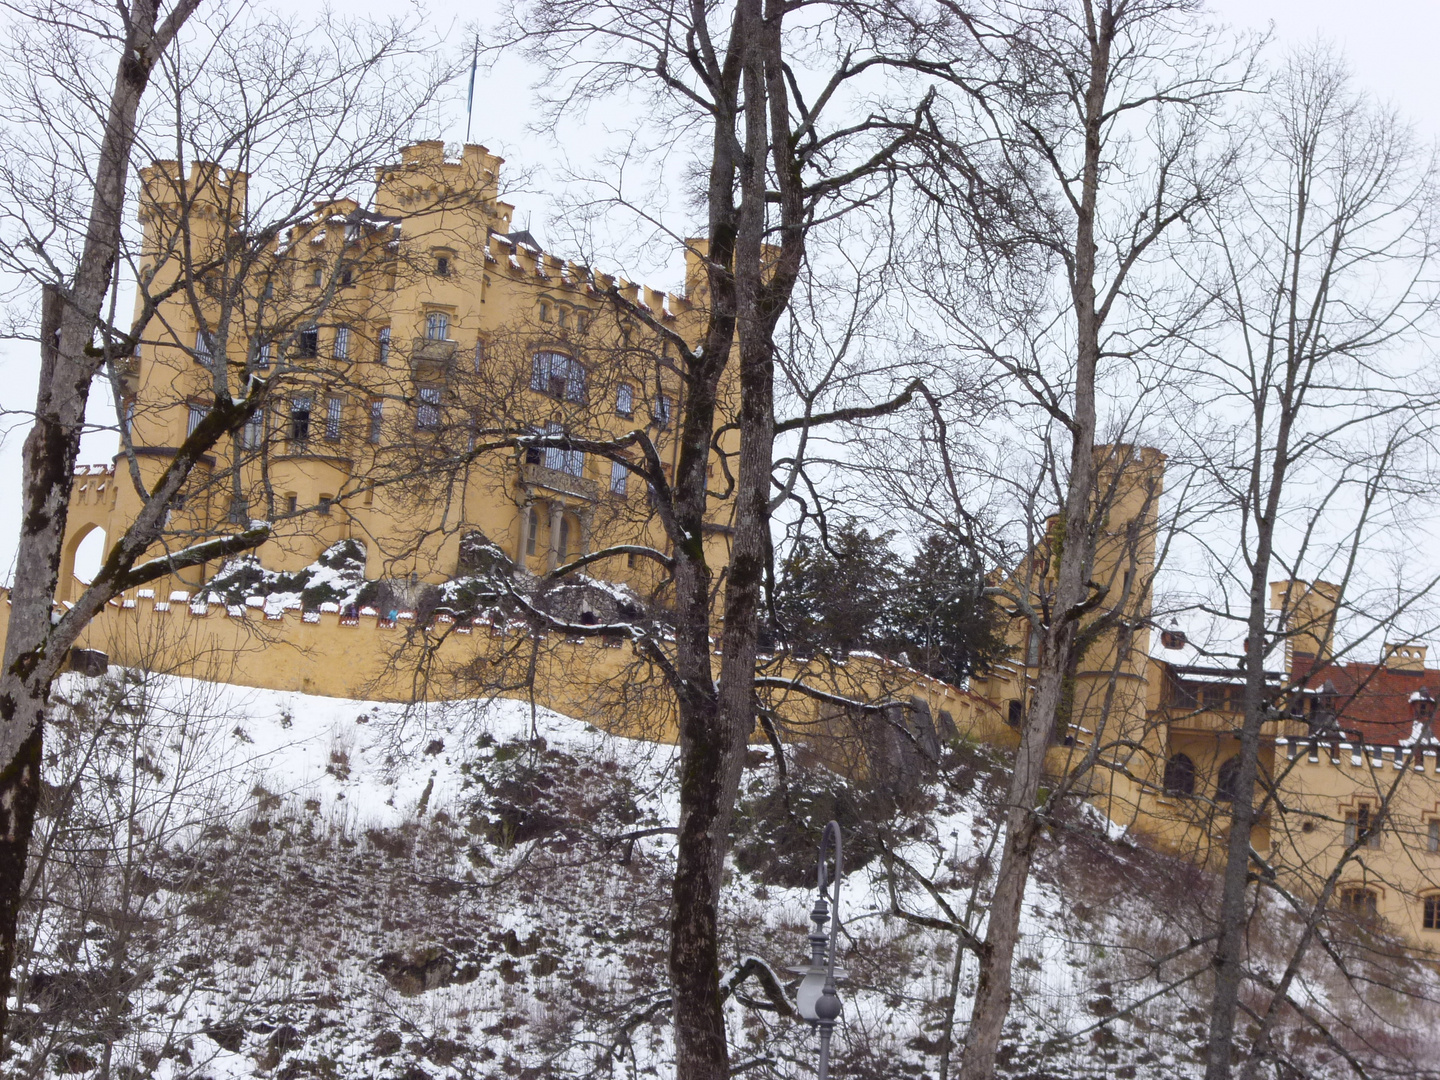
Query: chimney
<point x="1308" y="611"/>
<point x="1407" y="657"/>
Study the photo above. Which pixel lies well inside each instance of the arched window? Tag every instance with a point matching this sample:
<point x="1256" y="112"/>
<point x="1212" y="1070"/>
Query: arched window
<point x="558" y="375"/>
<point x="1227" y="782"/>
<point x="1359" y="902"/>
<point x="1180" y="775"/>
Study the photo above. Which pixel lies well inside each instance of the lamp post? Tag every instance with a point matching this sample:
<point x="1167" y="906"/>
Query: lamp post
<point x="817" y="1001"/>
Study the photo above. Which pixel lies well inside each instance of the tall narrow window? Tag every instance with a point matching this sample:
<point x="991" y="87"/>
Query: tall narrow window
<point x="571" y="462"/>
<point x="532" y="529"/>
<point x="299" y="419"/>
<point x="309" y="343"/>
<point x="1227" y="782"/>
<point x="262" y="356"/>
<point x="625" y="400"/>
<point x="384" y="354"/>
<point x="1362" y="824"/>
<point x="1431" y="915"/>
<point x="342" y="343"/>
<point x="1180" y="775"/>
<point x="317" y="277"/>
<point x="437" y="326"/>
<point x="619" y="477"/>
<point x="562" y="548"/>
<point x="442" y="266"/>
<point x="127" y="419"/>
<point x="204" y="348"/>
<point x="427" y="413"/>
<point x="1434" y="838"/>
<point x="333" y="409"/>
<point x="662" y="411"/>
<point x="253" y="431"/>
<point x="377" y="420"/>
<point x="479" y="356"/>
<point x="198" y="413"/>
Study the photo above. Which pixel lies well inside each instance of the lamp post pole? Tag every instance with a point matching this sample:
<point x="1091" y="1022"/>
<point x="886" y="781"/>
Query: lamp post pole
<point x="817" y="1001"/>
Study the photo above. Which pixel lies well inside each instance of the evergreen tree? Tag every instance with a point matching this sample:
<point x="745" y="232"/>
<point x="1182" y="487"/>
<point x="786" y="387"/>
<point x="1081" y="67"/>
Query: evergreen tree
<point x="832" y="594"/>
<point x="939" y="615"/>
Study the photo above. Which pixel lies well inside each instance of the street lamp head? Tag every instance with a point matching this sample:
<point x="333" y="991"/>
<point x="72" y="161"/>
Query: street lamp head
<point x="827" y="1009"/>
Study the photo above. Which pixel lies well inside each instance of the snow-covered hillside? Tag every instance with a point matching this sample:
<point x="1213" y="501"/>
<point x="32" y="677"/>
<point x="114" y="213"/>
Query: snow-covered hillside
<point x="246" y="883"/>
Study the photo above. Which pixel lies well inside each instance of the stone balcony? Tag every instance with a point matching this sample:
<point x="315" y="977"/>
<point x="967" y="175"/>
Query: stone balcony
<point x="432" y="358"/>
<point x="557" y="480"/>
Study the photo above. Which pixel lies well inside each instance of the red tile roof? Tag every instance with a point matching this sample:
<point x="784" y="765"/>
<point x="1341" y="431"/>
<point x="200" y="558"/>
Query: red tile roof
<point x="1371" y="699"/>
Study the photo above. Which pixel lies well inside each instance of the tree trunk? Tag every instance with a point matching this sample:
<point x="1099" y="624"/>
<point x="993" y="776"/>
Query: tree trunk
<point x="33" y="651"/>
<point x="1077" y="545"/>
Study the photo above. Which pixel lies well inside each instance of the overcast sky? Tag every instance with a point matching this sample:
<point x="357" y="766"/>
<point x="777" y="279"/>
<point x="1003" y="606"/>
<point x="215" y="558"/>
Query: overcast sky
<point x="1390" y="45"/>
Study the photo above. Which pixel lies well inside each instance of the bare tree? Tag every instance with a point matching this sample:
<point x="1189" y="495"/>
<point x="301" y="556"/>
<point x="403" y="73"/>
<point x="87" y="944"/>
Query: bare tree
<point x="229" y="101"/>
<point x="1322" y="427"/>
<point x="1085" y="142"/>
<point x="775" y="157"/>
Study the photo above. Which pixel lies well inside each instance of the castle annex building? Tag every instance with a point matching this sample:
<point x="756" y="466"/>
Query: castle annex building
<point x="408" y="345"/>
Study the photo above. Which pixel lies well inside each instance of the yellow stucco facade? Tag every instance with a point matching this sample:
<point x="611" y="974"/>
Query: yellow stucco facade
<point x="392" y="336"/>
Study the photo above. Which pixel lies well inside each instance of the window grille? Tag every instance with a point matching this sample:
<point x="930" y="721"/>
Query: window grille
<point x="204" y="348"/>
<point x="437" y="326"/>
<point x="619" y="477"/>
<point x="342" y="343"/>
<point x="625" y="400"/>
<point x="570" y="462"/>
<point x="377" y="420"/>
<point x="333" y="409"/>
<point x="384" y="355"/>
<point x="559" y="376"/>
<point x="427" y="414"/>
<point x="197" y="414"/>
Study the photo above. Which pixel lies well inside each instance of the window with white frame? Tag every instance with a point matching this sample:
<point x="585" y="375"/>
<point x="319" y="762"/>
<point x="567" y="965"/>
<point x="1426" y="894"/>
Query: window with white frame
<point x="437" y="326"/>
<point x="427" y="413"/>
<point x="342" y="343"/>
<point x="253" y="432"/>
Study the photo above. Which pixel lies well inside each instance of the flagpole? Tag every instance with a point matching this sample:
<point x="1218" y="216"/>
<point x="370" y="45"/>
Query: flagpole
<point x="470" y="97"/>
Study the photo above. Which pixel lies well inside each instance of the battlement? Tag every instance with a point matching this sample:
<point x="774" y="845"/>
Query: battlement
<point x="1334" y="753"/>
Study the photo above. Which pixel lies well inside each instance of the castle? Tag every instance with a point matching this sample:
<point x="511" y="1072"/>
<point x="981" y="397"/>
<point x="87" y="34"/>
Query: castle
<point x="393" y="334"/>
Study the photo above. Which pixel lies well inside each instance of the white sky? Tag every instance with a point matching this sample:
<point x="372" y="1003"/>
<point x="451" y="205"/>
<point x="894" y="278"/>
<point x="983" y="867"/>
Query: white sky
<point x="1390" y="45"/>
